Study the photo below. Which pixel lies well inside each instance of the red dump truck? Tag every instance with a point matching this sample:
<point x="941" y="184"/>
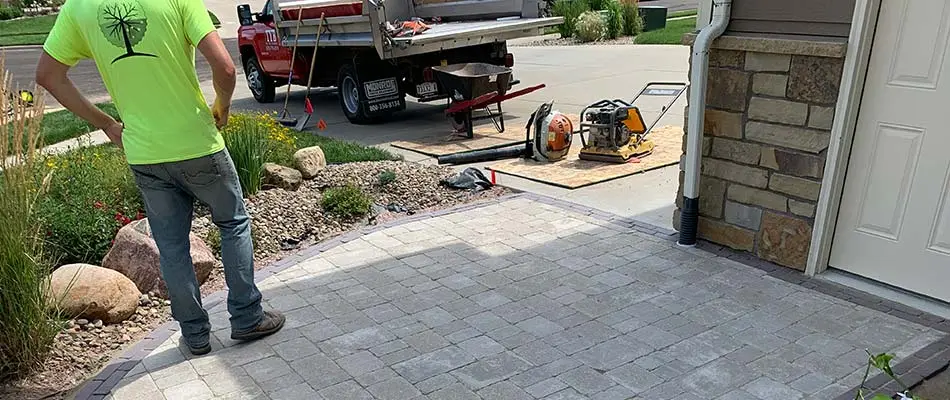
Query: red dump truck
<point x="375" y="52"/>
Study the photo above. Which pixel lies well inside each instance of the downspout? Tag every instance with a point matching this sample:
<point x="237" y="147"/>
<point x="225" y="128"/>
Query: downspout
<point x="689" y="215"/>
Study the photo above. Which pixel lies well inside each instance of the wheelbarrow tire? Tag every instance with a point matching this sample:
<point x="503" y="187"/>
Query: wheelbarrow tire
<point x="261" y="85"/>
<point x="348" y="91"/>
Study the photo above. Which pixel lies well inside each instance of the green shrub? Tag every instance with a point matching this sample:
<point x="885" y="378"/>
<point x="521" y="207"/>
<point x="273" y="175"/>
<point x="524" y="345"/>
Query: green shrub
<point x="570" y="10"/>
<point x="9" y="12"/>
<point x="632" y="22"/>
<point x="92" y="194"/>
<point x="26" y="327"/>
<point x="615" y="19"/>
<point x="386" y="177"/>
<point x="591" y="26"/>
<point x="597" y="5"/>
<point x="347" y="202"/>
<point x="213" y="240"/>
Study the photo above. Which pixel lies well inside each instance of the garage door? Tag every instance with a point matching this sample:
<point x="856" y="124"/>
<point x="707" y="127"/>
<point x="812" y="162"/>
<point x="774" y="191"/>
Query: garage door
<point x="894" y="221"/>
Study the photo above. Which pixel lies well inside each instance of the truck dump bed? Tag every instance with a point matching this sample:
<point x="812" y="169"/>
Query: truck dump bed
<point x="360" y="23"/>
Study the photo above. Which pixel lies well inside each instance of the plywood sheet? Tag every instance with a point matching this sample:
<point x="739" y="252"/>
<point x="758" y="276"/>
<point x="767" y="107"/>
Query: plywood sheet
<point x="486" y="137"/>
<point x="573" y="173"/>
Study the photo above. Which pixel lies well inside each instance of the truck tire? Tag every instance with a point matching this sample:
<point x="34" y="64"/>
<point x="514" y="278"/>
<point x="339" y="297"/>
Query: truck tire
<point x="348" y="90"/>
<point x="261" y="85"/>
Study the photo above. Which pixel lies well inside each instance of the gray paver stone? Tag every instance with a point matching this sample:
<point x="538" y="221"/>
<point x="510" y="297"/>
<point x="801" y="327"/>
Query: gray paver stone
<point x="490" y="370"/>
<point x="300" y="391"/>
<point x="192" y="390"/>
<point x="431" y="364"/>
<point x="319" y="371"/>
<point x="717" y="378"/>
<point x="295" y="349"/>
<point x="777" y="369"/>
<point x="586" y="381"/>
<point x="394" y="389"/>
<point x="360" y="363"/>
<point x="503" y="391"/>
<point x="811" y="383"/>
<point x="613" y="353"/>
<point x="435" y="383"/>
<point x="349" y="390"/>
<point x="768" y="389"/>
<point x="635" y="378"/>
<point x="481" y="347"/>
<point x="454" y="391"/>
<point x="426" y="341"/>
<point x="546" y="387"/>
<point x="615" y="393"/>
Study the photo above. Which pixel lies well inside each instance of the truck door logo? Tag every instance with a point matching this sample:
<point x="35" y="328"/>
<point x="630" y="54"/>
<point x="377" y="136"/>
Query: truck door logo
<point x="270" y="36"/>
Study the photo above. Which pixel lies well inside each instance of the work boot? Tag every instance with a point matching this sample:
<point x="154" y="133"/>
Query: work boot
<point x="200" y="351"/>
<point x="272" y="322"/>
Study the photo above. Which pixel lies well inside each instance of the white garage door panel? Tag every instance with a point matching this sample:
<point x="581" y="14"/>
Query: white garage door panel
<point x="894" y="221"/>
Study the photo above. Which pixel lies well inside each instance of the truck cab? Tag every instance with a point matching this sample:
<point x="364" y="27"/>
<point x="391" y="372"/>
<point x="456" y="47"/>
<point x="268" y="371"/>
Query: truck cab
<point x="263" y="57"/>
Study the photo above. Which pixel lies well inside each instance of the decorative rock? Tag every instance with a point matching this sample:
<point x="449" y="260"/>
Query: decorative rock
<point x="82" y="322"/>
<point x="135" y="255"/>
<point x="97" y="323"/>
<point x="309" y="161"/>
<point x="93" y="292"/>
<point x="281" y="177"/>
<point x="726" y="234"/>
<point x="784" y="240"/>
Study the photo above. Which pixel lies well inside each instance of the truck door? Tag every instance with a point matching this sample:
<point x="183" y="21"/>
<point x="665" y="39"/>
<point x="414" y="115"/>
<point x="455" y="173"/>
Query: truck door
<point x="275" y="59"/>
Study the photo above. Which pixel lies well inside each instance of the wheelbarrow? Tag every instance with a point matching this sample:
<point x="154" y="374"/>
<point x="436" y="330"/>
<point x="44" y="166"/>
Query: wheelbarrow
<point x="477" y="86"/>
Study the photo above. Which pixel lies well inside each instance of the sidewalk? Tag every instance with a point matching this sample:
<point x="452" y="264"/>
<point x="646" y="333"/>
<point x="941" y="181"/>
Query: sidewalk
<point x="531" y="298"/>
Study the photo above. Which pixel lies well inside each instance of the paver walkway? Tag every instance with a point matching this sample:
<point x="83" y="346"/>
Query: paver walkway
<point x="522" y="300"/>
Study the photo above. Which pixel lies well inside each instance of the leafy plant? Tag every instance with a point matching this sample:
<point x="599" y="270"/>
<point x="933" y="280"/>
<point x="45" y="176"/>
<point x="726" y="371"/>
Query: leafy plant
<point x="347" y="202"/>
<point x="570" y="10"/>
<point x="387" y="177"/>
<point x="882" y="362"/>
<point x="213" y="240"/>
<point x="27" y="329"/>
<point x="91" y="195"/>
<point x="615" y="19"/>
<point x="597" y="5"/>
<point x="632" y="22"/>
<point x="591" y="26"/>
<point x="248" y="139"/>
<point x="9" y="12"/>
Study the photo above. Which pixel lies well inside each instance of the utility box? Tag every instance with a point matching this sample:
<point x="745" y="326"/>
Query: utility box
<point x="654" y="17"/>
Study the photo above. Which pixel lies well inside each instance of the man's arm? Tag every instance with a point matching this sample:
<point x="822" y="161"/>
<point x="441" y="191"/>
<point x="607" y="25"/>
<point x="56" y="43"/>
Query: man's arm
<point x="223" y="75"/>
<point x="52" y="75"/>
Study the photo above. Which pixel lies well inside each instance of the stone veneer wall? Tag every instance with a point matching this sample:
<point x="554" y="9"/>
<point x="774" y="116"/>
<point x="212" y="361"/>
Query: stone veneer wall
<point x="769" y="109"/>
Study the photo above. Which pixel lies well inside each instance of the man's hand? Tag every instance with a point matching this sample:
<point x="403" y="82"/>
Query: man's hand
<point x="220" y="112"/>
<point x="114" y="132"/>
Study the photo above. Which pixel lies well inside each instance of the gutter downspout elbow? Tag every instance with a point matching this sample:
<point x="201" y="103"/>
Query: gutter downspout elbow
<point x="689" y="215"/>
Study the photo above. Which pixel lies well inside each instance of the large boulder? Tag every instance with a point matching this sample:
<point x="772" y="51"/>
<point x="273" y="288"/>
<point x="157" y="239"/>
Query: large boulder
<point x="282" y="177"/>
<point x="91" y="292"/>
<point x="309" y="161"/>
<point x="135" y="255"/>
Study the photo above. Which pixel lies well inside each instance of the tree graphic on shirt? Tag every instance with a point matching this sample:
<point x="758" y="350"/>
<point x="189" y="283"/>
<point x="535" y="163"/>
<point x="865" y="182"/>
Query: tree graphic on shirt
<point x="123" y="25"/>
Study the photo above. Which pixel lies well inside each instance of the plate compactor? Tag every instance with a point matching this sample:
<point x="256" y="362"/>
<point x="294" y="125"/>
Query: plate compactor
<point x="616" y="132"/>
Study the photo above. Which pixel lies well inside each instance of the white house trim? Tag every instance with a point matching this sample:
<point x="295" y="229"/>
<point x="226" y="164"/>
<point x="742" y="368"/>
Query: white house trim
<point x="860" y="39"/>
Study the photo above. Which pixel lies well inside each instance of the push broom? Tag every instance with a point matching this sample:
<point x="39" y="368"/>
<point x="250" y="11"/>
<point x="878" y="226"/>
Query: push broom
<point x="308" y="107"/>
<point x="285" y="118"/>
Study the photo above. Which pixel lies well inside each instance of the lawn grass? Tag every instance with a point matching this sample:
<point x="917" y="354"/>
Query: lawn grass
<point x="684" y="13"/>
<point x="34" y="30"/>
<point x="672" y="34"/>
<point x="341" y="151"/>
<point x="64" y="125"/>
<point x="26" y="31"/>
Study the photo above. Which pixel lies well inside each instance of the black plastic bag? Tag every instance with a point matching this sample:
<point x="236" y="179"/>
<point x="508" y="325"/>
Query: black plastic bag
<point x="470" y="178"/>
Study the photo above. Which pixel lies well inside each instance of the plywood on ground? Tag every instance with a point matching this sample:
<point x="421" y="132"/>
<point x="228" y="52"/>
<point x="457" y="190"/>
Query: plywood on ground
<point x="486" y="137"/>
<point x="573" y="173"/>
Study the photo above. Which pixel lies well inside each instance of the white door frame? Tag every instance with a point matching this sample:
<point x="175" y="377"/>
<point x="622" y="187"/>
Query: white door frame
<point x="860" y="40"/>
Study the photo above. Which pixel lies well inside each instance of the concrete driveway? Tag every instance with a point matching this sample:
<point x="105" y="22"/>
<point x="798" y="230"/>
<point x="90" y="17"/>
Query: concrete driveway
<point x="575" y="77"/>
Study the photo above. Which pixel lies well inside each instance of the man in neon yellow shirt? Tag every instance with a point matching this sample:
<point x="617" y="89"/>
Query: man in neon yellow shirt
<point x="145" y="52"/>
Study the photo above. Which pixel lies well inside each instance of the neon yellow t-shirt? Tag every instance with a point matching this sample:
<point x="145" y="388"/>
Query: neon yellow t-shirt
<point x="145" y="53"/>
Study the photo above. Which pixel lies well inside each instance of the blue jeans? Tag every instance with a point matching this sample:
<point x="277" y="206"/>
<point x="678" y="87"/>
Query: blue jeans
<point x="170" y="190"/>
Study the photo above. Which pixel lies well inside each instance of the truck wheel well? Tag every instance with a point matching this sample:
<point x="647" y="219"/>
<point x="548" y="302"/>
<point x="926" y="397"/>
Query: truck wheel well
<point x="246" y="53"/>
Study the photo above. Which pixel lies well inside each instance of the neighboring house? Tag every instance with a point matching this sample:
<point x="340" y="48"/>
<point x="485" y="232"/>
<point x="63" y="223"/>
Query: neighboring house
<point x="827" y="138"/>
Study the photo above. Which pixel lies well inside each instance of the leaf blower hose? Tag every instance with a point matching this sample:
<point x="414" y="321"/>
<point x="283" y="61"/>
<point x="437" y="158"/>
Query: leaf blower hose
<point x="528" y="148"/>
